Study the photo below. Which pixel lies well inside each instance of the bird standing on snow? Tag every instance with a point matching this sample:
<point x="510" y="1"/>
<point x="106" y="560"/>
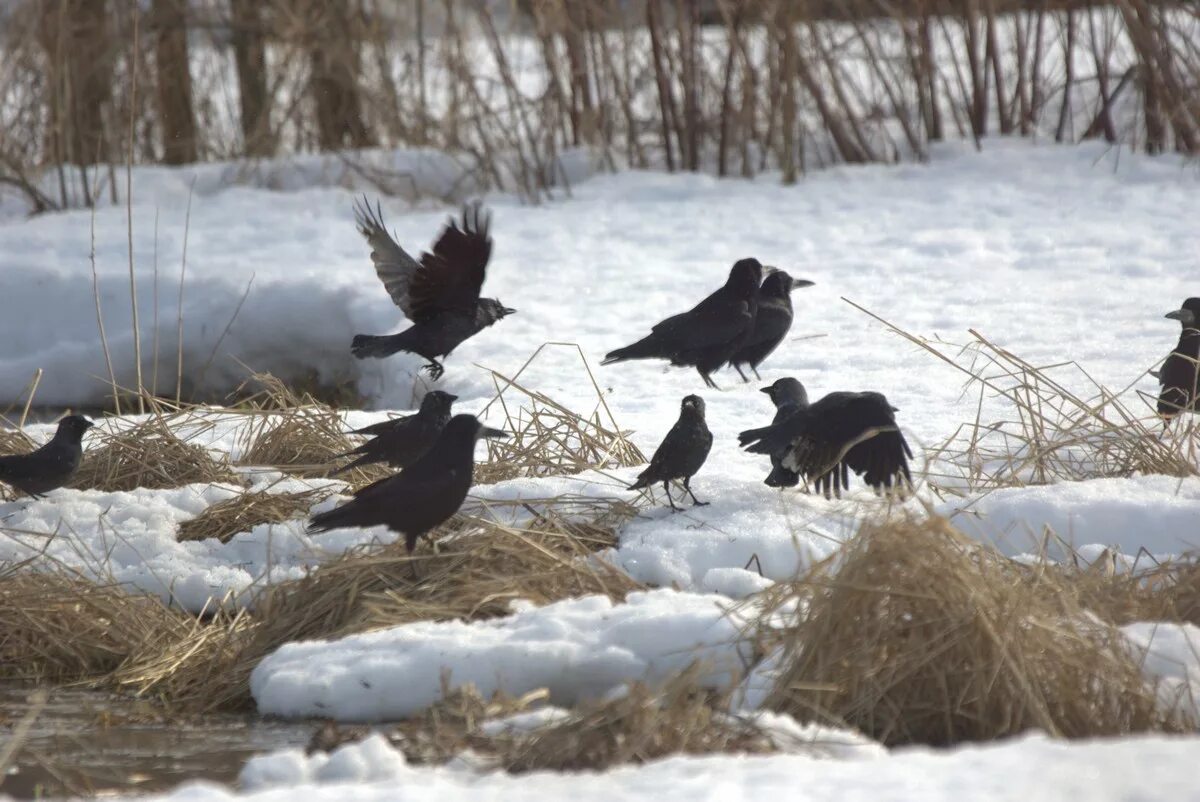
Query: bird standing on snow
<point x="439" y="294"/>
<point x="682" y="452"/>
<point x="51" y="466"/>
<point x="707" y="335"/>
<point x="771" y="323"/>
<point x="789" y="397"/>
<point x="421" y="496"/>
<point x="402" y="441"/>
<point x="1180" y="374"/>
<point x="840" y="433"/>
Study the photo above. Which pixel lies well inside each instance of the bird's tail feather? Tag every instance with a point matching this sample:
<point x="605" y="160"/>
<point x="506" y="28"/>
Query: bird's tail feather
<point x="324" y="521"/>
<point x="646" y="348"/>
<point x="367" y="345"/>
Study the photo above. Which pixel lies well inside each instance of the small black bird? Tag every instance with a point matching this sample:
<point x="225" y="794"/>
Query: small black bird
<point x="772" y="322"/>
<point x="681" y="453"/>
<point x="401" y="441"/>
<point x="789" y="396"/>
<point x="707" y="335"/>
<point x="440" y="294"/>
<point x="50" y="466"/>
<point x="841" y="432"/>
<point x="1181" y="372"/>
<point x="421" y="496"/>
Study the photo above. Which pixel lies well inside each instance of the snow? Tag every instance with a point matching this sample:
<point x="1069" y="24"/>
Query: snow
<point x="578" y="649"/>
<point x="1170" y="655"/>
<point x="1016" y="770"/>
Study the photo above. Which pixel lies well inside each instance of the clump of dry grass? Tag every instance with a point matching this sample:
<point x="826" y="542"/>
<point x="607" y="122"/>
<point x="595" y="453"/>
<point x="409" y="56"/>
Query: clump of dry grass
<point x="915" y="634"/>
<point x="297" y="434"/>
<point x="149" y="454"/>
<point x="245" y="511"/>
<point x="548" y="439"/>
<point x="59" y="627"/>
<point x="1162" y="592"/>
<point x="14" y="441"/>
<point x="475" y="575"/>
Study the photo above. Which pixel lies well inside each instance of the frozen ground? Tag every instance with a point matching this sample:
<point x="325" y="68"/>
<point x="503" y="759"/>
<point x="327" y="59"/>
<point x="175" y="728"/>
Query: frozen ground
<point x="1054" y="253"/>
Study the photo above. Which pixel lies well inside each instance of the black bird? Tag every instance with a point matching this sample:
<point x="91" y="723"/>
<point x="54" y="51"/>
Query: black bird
<point x="789" y="397"/>
<point x="707" y="335"/>
<point x="681" y="453"/>
<point x="439" y="294"/>
<point x="402" y="441"/>
<point x="772" y="322"/>
<point x="421" y="496"/>
<point x="841" y="432"/>
<point x="50" y="466"/>
<point x="1181" y="372"/>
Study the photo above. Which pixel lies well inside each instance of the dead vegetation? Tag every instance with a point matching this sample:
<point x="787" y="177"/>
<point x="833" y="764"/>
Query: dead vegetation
<point x="916" y="634"/>
<point x="247" y="510"/>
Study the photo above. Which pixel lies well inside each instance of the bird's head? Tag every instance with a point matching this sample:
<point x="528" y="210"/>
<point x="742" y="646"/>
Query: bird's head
<point x="1188" y="315"/>
<point x="437" y="401"/>
<point x="491" y="310"/>
<point x="779" y="283"/>
<point x="786" y="391"/>
<point x="73" y="427"/>
<point x="692" y="405"/>
<point x="746" y="274"/>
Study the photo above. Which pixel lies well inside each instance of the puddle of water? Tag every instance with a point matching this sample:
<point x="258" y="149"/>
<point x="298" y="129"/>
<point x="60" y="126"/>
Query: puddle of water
<point x="86" y="742"/>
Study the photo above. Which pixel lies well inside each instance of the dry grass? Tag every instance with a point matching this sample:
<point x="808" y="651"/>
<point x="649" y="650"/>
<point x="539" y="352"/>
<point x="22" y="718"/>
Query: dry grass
<point x="546" y="438"/>
<point x="150" y="454"/>
<point x="293" y="432"/>
<point x="1049" y="432"/>
<point x="475" y="575"/>
<point x="245" y="511"/>
<point x="919" y="635"/>
<point x="13" y="441"/>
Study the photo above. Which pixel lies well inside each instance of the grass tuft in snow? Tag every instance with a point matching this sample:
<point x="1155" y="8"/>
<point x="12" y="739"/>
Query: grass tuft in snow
<point x="247" y="510"/>
<point x="150" y="455"/>
<point x="917" y="634"/>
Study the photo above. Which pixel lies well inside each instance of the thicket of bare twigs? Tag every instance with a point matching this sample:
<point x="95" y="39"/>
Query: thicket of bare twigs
<point x="735" y="86"/>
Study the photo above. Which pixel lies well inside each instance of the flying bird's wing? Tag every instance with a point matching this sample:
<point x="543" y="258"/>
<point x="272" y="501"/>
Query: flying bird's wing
<point x="450" y="278"/>
<point x="395" y="268"/>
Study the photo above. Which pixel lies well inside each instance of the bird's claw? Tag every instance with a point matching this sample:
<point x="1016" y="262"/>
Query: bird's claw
<point x="435" y="370"/>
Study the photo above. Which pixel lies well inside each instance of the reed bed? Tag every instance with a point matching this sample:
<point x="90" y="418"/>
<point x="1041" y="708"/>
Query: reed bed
<point x="247" y="510"/>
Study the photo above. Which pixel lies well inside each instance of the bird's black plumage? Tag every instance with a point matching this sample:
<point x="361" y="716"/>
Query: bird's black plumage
<point x="789" y="397"/>
<point x="50" y="466"/>
<point x="707" y="335"/>
<point x="841" y="432"/>
<point x="1180" y="374"/>
<point x="421" y="496"/>
<point x="681" y="453"/>
<point x="402" y="441"/>
<point x="439" y="294"/>
<point x="772" y="321"/>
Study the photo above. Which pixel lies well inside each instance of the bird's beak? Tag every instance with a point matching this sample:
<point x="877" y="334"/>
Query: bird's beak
<point x="508" y="311"/>
<point x="1185" y="316"/>
<point x="894" y="409"/>
<point x="489" y="432"/>
<point x="766" y="390"/>
<point x="451" y="397"/>
<point x="800" y="283"/>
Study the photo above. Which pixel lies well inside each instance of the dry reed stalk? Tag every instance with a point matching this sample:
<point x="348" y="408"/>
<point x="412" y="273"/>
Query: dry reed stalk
<point x="247" y="510"/>
<point x="916" y="634"/>
<point x="150" y="455"/>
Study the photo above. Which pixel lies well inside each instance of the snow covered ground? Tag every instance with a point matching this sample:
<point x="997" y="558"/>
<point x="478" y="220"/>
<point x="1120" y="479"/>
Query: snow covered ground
<point x="1052" y="252"/>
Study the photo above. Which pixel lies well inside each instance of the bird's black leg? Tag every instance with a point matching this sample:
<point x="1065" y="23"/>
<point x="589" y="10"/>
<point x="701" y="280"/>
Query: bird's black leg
<point x="738" y="368"/>
<point x="755" y="369"/>
<point x="671" y="501"/>
<point x="435" y="369"/>
<point x="708" y="379"/>
<point x="687" y="485"/>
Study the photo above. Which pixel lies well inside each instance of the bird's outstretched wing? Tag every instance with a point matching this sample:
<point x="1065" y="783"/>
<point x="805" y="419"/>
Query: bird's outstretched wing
<point x="450" y="278"/>
<point x="395" y="268"/>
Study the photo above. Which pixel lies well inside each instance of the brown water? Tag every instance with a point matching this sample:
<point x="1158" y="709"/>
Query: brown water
<point x="86" y="743"/>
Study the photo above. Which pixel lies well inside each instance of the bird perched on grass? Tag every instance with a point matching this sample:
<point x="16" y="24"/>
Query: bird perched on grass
<point x="402" y="441"/>
<point x="707" y="335"/>
<point x="1180" y="374"/>
<point x="771" y="323"/>
<point x="681" y="453"/>
<point x="421" y="496"/>
<point x="789" y="397"/>
<point x="51" y="466"/>
<point x="439" y="294"/>
<point x="841" y="432"/>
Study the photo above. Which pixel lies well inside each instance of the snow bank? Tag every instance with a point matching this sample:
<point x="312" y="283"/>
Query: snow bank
<point x="577" y="649"/>
<point x="1017" y="770"/>
<point x="1160" y="514"/>
<point x="1170" y="655"/>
